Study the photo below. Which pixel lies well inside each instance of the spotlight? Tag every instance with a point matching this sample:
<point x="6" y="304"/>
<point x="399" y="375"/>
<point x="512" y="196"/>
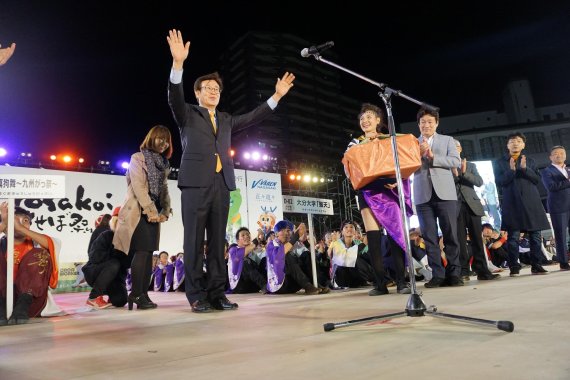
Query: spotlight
<point x="292" y="177"/>
<point x="53" y="157"/>
<point x="265" y="157"/>
<point x="125" y="165"/>
<point x="306" y="178"/>
<point x="322" y="180"/>
<point x="298" y="178"/>
<point x="255" y="156"/>
<point x="81" y="160"/>
<point x="246" y="155"/>
<point x="315" y="179"/>
<point x="232" y="152"/>
<point x="66" y="159"/>
<point x="3" y="152"/>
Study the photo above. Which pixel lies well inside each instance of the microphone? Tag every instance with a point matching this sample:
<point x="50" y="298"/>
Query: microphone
<point x="316" y="49"/>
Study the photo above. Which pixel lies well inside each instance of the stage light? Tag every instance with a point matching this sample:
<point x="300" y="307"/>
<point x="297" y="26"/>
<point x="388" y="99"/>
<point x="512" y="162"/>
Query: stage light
<point x="247" y="155"/>
<point x="315" y="179"/>
<point x="306" y="178"/>
<point x="53" y="157"/>
<point x="125" y="165"/>
<point x="322" y="180"/>
<point x="255" y="156"/>
<point x="265" y="157"/>
<point x="3" y="152"/>
<point x="232" y="152"/>
<point x="292" y="177"/>
<point x="66" y="159"/>
<point x="81" y="160"/>
<point x="298" y="177"/>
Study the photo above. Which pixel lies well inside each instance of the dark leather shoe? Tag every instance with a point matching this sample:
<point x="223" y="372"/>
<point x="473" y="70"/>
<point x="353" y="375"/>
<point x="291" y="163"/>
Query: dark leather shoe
<point x="538" y="269"/>
<point x="435" y="282"/>
<point x="453" y="281"/>
<point x="311" y="290"/>
<point x="380" y="291"/>
<point x="488" y="277"/>
<point x="223" y="303"/>
<point x="201" y="306"/>
<point x="564" y="266"/>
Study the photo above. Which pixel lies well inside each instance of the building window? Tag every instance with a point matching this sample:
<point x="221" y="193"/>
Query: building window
<point x="493" y="146"/>
<point x="535" y="142"/>
<point x="561" y="137"/>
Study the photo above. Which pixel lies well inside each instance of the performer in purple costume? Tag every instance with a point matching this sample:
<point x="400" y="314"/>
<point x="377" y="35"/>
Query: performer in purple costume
<point x="283" y="272"/>
<point x="243" y="272"/>
<point x="379" y="206"/>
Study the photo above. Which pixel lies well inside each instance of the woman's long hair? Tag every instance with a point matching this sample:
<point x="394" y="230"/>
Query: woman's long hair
<point x="159" y="131"/>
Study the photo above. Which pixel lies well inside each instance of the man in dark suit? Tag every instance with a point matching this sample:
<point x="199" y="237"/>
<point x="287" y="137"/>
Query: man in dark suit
<point x="206" y="174"/>
<point x="555" y="178"/>
<point x="435" y="198"/>
<point x="521" y="209"/>
<point x="470" y="210"/>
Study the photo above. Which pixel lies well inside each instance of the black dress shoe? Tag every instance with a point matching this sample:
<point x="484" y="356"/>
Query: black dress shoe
<point x="564" y="266"/>
<point x="453" y="281"/>
<point x="201" y="306"/>
<point x="538" y="269"/>
<point x="223" y="303"/>
<point x="488" y="276"/>
<point x="435" y="282"/>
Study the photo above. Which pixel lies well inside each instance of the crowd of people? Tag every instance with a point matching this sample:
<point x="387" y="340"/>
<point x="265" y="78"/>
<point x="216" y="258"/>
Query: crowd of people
<point x="121" y="250"/>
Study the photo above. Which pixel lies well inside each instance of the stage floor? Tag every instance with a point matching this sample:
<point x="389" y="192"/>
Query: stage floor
<point x="282" y="337"/>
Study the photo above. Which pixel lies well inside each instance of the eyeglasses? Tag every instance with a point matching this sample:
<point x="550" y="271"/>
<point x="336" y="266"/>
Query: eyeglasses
<point x="213" y="90"/>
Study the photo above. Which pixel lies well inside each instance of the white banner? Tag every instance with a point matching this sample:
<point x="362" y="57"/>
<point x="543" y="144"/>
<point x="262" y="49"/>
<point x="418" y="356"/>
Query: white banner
<point x="31" y="186"/>
<point x="256" y="203"/>
<point x="265" y="202"/>
<point x="237" y="216"/>
<point x="72" y="219"/>
<point x="306" y="205"/>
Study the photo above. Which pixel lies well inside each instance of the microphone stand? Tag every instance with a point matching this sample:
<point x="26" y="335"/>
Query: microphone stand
<point x="415" y="306"/>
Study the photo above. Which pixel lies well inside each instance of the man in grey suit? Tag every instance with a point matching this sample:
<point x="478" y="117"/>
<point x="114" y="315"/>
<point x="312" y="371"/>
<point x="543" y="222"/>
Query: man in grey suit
<point x="435" y="198"/>
<point x="469" y="213"/>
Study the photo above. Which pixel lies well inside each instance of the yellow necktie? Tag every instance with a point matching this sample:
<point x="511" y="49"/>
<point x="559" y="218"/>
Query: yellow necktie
<point x="218" y="161"/>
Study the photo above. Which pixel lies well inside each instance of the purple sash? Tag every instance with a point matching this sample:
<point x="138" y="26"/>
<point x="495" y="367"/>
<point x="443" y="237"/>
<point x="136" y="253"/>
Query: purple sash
<point x="178" y="273"/>
<point x="165" y="272"/>
<point x="275" y="265"/>
<point x="235" y="265"/>
<point x="385" y="206"/>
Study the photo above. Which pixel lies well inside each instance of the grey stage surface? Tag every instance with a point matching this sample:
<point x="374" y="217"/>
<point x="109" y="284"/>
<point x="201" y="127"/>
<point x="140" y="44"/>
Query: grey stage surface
<point x="281" y="337"/>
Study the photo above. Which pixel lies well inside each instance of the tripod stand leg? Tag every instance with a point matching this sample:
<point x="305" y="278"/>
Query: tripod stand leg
<point x="507" y="326"/>
<point x="332" y="326"/>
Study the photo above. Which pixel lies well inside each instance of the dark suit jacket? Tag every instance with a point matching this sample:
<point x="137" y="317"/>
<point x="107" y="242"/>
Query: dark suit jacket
<point x="558" y="187"/>
<point x="521" y="207"/>
<point x="465" y="183"/>
<point x="200" y="144"/>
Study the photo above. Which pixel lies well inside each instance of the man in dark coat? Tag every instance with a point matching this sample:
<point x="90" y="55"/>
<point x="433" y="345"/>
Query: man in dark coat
<point x="556" y="180"/>
<point x="521" y="209"/>
<point x="206" y="174"/>
<point x="470" y="210"/>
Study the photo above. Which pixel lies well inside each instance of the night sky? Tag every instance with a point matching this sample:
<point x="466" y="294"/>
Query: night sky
<point x="89" y="77"/>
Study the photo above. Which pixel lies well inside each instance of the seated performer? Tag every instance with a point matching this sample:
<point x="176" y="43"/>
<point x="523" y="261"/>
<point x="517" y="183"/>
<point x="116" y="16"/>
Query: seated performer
<point x="243" y="272"/>
<point x="283" y="272"/>
<point x="106" y="270"/>
<point x="350" y="269"/>
<point x="163" y="274"/>
<point x="35" y="268"/>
